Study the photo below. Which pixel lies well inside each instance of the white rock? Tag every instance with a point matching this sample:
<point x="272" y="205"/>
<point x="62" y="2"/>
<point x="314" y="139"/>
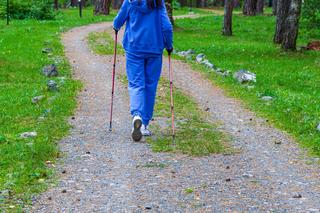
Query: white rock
<point x="209" y="65"/>
<point x="200" y="57"/>
<point x="182" y="53"/>
<point x="244" y="76"/>
<point x="266" y="98"/>
<point x="28" y="135"/>
<point x="37" y="99"/>
<point x="190" y="52"/>
<point x="318" y="127"/>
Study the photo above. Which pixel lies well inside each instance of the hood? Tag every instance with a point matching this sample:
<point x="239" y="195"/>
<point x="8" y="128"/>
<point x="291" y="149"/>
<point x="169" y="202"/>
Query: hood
<point x="140" y="5"/>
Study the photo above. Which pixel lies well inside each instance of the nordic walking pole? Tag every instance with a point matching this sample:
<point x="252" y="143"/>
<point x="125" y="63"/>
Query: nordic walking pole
<point x="171" y="97"/>
<point x="113" y="77"/>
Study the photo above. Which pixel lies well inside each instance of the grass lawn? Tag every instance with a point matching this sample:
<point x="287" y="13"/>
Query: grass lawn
<point x="187" y="10"/>
<point x="292" y="78"/>
<point x="25" y="164"/>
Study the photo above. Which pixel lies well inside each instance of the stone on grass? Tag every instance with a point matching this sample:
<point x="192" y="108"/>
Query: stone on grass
<point x="209" y="65"/>
<point x="50" y="70"/>
<point x="52" y="86"/>
<point x="204" y="61"/>
<point x="318" y="127"/>
<point x="200" y="57"/>
<point x="226" y="73"/>
<point x="37" y="99"/>
<point x="47" y="50"/>
<point x="182" y="53"/>
<point x="244" y="76"/>
<point x="28" y="135"/>
<point x="190" y="52"/>
<point x="266" y="98"/>
<point x="218" y="70"/>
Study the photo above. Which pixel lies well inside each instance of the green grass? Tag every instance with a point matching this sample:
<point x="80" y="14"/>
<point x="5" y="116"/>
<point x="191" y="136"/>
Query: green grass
<point x="292" y="78"/>
<point x="187" y="10"/>
<point x="188" y="190"/>
<point x="103" y="43"/>
<point x="195" y="136"/>
<point x="23" y="168"/>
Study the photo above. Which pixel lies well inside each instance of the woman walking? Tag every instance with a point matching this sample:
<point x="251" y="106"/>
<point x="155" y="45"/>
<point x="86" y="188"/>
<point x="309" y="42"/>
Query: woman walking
<point x="148" y="31"/>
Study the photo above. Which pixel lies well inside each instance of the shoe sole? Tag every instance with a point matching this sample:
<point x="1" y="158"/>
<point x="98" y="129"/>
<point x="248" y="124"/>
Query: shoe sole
<point x="136" y="134"/>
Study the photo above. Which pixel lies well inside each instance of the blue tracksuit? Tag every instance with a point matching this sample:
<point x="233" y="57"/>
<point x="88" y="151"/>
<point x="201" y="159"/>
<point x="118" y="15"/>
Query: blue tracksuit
<point x="148" y="32"/>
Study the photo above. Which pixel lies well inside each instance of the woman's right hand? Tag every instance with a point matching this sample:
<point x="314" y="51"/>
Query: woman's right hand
<point x="169" y="50"/>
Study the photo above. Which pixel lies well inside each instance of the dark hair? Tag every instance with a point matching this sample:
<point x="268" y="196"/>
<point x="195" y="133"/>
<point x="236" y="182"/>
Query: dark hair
<point x="154" y="3"/>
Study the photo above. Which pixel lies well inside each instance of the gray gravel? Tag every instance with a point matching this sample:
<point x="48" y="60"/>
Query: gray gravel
<point x="105" y="172"/>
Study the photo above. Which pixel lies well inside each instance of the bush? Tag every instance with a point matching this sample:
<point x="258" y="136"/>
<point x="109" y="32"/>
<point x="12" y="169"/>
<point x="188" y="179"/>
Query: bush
<point x="311" y="12"/>
<point x="22" y="9"/>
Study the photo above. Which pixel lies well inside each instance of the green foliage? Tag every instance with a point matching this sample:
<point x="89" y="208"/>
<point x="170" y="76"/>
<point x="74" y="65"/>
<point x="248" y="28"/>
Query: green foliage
<point x="176" y="5"/>
<point x="292" y="78"/>
<point x="102" y="43"/>
<point x="23" y="168"/>
<point x="311" y="12"/>
<point x="35" y="9"/>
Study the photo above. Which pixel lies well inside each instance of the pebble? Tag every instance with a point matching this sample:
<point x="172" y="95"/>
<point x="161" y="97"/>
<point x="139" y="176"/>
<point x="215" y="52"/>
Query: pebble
<point x="148" y="207"/>
<point x="297" y="196"/>
<point x="318" y="127"/>
<point x="278" y="142"/>
<point x="37" y="99"/>
<point x="190" y="52"/>
<point x="52" y="86"/>
<point x="244" y="76"/>
<point x="209" y="65"/>
<point x="47" y="50"/>
<point x="50" y="70"/>
<point x="28" y="135"/>
<point x="200" y="57"/>
<point x="266" y="98"/>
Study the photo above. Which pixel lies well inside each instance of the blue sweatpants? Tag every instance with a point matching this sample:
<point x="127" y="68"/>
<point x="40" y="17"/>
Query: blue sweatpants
<point x="143" y="72"/>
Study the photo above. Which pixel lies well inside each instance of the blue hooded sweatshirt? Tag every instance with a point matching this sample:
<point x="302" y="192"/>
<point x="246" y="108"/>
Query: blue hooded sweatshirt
<point x="147" y="30"/>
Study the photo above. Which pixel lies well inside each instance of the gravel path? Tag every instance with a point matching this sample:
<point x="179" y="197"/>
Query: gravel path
<point x="106" y="172"/>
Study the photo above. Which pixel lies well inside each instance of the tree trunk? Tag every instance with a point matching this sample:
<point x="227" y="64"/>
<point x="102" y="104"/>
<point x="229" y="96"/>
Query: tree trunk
<point x="260" y="6"/>
<point x="249" y="7"/>
<point x="292" y="25"/>
<point x="274" y="7"/>
<point x="74" y="3"/>
<point x="116" y="4"/>
<point x="227" y="24"/>
<point x="56" y="4"/>
<point x="170" y="10"/>
<point x="102" y="7"/>
<point x="282" y="13"/>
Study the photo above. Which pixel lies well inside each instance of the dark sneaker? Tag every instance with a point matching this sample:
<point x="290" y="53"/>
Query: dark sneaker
<point x="136" y="128"/>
